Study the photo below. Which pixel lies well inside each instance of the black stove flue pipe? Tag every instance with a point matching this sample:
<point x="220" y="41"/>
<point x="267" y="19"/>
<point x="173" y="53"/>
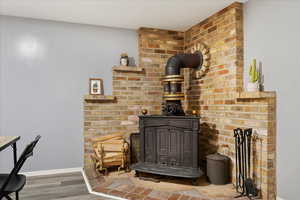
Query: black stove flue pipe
<point x="186" y="60"/>
<point x="173" y="81"/>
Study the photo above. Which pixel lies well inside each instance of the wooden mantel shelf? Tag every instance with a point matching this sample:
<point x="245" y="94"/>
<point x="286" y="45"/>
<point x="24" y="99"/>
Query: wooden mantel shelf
<point x="128" y="69"/>
<point x="256" y="95"/>
<point x="99" y="98"/>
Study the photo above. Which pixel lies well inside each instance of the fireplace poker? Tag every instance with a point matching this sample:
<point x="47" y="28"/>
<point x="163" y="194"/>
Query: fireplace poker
<point x="236" y="159"/>
<point x="242" y="146"/>
<point x="249" y="183"/>
<point x="249" y="137"/>
<point x="240" y="178"/>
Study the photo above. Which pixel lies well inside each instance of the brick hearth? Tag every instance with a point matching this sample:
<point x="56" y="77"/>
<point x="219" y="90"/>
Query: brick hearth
<point x="125" y="185"/>
<point x="218" y="96"/>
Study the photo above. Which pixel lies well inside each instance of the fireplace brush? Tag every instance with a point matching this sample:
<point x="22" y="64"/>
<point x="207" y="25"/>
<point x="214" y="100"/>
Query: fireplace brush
<point x="244" y="184"/>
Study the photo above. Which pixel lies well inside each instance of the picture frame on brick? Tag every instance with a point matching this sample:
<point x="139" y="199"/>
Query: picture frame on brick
<point x="96" y="86"/>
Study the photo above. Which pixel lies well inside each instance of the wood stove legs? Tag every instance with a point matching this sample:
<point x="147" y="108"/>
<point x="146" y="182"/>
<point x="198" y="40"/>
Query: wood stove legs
<point x="194" y="181"/>
<point x="137" y="174"/>
<point x="156" y="180"/>
<point x="149" y="179"/>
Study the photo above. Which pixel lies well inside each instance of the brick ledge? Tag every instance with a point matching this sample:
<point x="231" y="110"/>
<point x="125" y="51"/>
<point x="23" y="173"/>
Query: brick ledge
<point x="99" y="98"/>
<point x="128" y="69"/>
<point x="256" y="95"/>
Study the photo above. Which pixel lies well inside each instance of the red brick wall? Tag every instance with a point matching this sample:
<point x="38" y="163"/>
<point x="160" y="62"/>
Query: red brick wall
<point x="214" y="96"/>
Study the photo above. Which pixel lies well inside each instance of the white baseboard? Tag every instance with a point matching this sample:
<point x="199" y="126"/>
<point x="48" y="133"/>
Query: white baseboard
<point x="52" y="171"/>
<point x="278" y="198"/>
<point x="97" y="193"/>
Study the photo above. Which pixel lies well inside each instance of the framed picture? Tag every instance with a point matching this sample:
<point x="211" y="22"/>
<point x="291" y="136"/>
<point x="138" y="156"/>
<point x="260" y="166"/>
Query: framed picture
<point x="96" y="86"/>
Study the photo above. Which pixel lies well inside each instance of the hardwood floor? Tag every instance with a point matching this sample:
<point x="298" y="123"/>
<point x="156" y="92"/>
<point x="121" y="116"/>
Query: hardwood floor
<point x="69" y="186"/>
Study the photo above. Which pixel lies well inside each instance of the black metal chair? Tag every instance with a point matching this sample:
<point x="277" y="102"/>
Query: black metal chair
<point x="14" y="182"/>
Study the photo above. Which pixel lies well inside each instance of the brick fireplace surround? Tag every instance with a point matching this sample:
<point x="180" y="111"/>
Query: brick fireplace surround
<point x="218" y="96"/>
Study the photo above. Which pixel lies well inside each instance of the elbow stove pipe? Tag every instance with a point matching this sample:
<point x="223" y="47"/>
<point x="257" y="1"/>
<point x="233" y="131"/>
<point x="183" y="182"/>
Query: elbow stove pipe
<point x="173" y="80"/>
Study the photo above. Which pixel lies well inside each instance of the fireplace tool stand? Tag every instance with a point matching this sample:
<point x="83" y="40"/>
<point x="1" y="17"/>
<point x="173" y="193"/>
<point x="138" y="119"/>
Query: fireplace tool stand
<point x="244" y="184"/>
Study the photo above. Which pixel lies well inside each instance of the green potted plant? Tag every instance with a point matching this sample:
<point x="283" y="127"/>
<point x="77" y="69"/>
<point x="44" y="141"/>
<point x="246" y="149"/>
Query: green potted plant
<point x="254" y="76"/>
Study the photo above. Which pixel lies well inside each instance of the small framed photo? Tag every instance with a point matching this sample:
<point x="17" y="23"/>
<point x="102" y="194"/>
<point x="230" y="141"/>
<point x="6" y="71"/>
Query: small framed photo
<point x="96" y="86"/>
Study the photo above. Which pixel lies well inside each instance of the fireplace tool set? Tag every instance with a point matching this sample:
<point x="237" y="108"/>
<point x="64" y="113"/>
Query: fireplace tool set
<point x="244" y="184"/>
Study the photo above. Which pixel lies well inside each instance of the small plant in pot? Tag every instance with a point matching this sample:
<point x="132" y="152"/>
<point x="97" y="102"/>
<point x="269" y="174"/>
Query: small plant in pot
<point x="253" y="85"/>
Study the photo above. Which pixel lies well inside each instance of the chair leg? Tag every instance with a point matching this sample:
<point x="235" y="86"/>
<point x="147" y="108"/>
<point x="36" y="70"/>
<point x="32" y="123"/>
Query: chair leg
<point x="8" y="197"/>
<point x="17" y="195"/>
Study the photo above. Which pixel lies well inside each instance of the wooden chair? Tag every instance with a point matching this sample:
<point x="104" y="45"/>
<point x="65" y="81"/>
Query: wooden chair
<point x="14" y="182"/>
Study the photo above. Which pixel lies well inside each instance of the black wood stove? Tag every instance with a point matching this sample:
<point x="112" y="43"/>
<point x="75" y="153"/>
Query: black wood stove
<point x="169" y="142"/>
<point x="169" y="146"/>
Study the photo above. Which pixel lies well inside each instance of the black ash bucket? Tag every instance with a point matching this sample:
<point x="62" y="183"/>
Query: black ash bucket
<point x="218" y="169"/>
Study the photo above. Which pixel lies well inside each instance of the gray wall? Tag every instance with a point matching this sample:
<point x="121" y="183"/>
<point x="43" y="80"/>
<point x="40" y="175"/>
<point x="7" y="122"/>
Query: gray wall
<point x="45" y="68"/>
<point x="272" y="35"/>
<point x="1" y="61"/>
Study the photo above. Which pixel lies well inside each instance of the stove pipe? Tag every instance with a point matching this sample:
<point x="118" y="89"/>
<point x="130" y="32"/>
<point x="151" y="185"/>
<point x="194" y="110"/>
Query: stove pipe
<point x="173" y="80"/>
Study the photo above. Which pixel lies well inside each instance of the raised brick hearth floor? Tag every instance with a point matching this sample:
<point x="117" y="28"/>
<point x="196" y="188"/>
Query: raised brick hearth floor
<point x="126" y="185"/>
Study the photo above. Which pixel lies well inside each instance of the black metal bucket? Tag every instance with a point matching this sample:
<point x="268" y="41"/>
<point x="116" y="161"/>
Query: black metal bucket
<point x="218" y="169"/>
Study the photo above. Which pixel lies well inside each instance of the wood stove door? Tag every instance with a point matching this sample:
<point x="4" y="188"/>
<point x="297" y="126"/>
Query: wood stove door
<point x="168" y="146"/>
<point x="150" y="145"/>
<point x="187" y="149"/>
<point x="163" y="143"/>
<point x="174" y="148"/>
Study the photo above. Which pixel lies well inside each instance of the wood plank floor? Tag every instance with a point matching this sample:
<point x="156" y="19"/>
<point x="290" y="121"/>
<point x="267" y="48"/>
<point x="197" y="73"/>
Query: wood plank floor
<point x="69" y="186"/>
